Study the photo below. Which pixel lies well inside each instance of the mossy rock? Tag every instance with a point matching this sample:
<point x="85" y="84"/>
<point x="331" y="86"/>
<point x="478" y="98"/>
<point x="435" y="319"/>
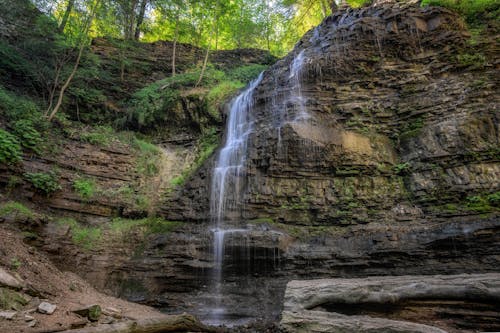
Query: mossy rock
<point x="92" y="312"/>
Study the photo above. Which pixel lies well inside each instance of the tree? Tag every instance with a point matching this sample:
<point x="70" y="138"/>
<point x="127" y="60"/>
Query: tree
<point x="82" y="43"/>
<point x="67" y="13"/>
<point x="140" y="19"/>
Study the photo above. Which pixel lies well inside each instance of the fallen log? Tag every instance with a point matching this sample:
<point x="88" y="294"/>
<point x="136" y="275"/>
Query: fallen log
<point x="174" y="323"/>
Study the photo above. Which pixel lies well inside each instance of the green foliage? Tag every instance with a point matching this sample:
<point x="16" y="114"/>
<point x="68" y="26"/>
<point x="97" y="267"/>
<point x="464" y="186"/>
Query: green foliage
<point x="11" y="61"/>
<point x="98" y="135"/>
<point x="178" y="181"/>
<point x="16" y="107"/>
<point x="149" y="156"/>
<point x="246" y="73"/>
<point x="17" y="209"/>
<point x="494" y="199"/>
<point x="205" y="148"/>
<point x="84" y="236"/>
<point x="154" y="104"/>
<point x="10" y="299"/>
<point x="10" y="149"/>
<point x="262" y="220"/>
<point x="412" y="129"/>
<point x="85" y="188"/>
<point x="149" y="225"/>
<point x="471" y="10"/>
<point x="402" y="168"/>
<point x="219" y="94"/>
<point x="158" y="225"/>
<point x="29" y="137"/>
<point x="15" y="264"/>
<point x="475" y="61"/>
<point x="45" y="182"/>
<point x="358" y="3"/>
<point x="478" y="204"/>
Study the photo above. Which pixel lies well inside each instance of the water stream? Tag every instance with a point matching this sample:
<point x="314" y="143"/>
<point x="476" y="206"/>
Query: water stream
<point x="229" y="171"/>
<point x="226" y="176"/>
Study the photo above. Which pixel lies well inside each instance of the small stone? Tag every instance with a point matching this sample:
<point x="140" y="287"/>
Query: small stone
<point x="32" y="323"/>
<point x="107" y="320"/>
<point x="92" y="312"/>
<point x="9" y="315"/>
<point x="112" y="312"/>
<point x="79" y="323"/>
<point x="46" y="308"/>
<point x="28" y="318"/>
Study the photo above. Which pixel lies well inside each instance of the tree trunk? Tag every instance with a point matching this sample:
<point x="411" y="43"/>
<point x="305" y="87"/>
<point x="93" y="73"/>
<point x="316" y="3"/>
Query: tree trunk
<point x="324" y="9"/>
<point x="140" y="19"/>
<point x="214" y="27"/>
<point x="66" y="15"/>
<point x="68" y="81"/>
<point x="176" y="36"/>
<point x="77" y="62"/>
<point x="205" y="61"/>
<point x="174" y="323"/>
<point x="130" y="20"/>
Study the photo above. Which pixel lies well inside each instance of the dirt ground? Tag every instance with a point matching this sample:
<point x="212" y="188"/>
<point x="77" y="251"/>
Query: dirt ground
<point x="42" y="281"/>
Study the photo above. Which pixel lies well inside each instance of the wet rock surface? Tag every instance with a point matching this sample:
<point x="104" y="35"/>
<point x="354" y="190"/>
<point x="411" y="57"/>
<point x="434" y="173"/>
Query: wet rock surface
<point x="380" y="177"/>
<point x="448" y="303"/>
<point x="389" y="174"/>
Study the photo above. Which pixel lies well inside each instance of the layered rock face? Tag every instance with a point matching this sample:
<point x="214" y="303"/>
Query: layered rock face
<point x="374" y="152"/>
<point x="428" y="303"/>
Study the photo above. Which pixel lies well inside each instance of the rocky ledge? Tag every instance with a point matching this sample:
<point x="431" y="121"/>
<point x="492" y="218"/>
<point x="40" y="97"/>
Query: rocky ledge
<point x="423" y="304"/>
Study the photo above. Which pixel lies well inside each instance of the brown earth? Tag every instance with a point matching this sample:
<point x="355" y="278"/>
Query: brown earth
<point x="45" y="282"/>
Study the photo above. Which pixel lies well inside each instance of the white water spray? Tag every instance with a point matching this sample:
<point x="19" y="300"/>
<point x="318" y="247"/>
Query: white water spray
<point x="226" y="181"/>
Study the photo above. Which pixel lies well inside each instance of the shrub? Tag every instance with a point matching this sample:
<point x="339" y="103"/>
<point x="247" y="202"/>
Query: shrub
<point x="206" y="147"/>
<point x="30" y="138"/>
<point x="82" y="235"/>
<point x="494" y="199"/>
<point x="475" y="61"/>
<point x="158" y="225"/>
<point x="402" y="168"/>
<point x="219" y="94"/>
<point x="84" y="187"/>
<point x="478" y="204"/>
<point x="149" y="225"/>
<point x="99" y="135"/>
<point x="153" y="105"/>
<point x="149" y="154"/>
<point x="471" y="10"/>
<point x="17" y="209"/>
<point x="246" y="73"/>
<point x="412" y="129"/>
<point x="19" y="107"/>
<point x="45" y="182"/>
<point x="10" y="150"/>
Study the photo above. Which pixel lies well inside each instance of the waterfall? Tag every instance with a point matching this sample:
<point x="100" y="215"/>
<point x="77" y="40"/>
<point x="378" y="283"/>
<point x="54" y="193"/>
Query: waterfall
<point x="231" y="160"/>
<point x="291" y="106"/>
<point x="226" y="181"/>
<point x="229" y="171"/>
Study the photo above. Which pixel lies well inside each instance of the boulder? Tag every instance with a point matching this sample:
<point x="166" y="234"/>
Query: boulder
<point x="92" y="312"/>
<point x="9" y="315"/>
<point x="392" y="304"/>
<point x="6" y="279"/>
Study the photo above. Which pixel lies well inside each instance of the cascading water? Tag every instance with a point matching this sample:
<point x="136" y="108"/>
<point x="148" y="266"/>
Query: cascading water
<point x="292" y="107"/>
<point x="228" y="172"/>
<point x="226" y="181"/>
<point x="296" y="96"/>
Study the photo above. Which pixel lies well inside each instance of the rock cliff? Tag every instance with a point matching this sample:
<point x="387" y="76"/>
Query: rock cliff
<point x="375" y="151"/>
<point x="392" y="169"/>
